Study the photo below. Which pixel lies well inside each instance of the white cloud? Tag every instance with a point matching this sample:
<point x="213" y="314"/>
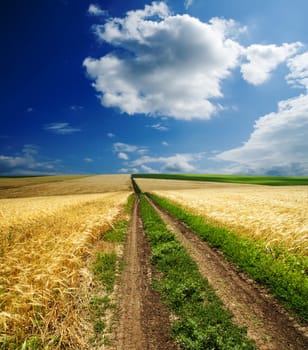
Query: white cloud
<point x="263" y="59"/>
<point x="30" y="150"/>
<point x="7" y="163"/>
<point x="122" y="155"/>
<point x="128" y="170"/>
<point x="278" y="144"/>
<point x="95" y="10"/>
<point x="111" y="135"/>
<point x="172" y="66"/>
<point x="159" y="127"/>
<point x="30" y="109"/>
<point x="88" y="160"/>
<point x="176" y="163"/>
<point x="123" y="148"/>
<point x="298" y="66"/>
<point x="165" y="143"/>
<point x="25" y="163"/>
<point x="61" y="128"/>
<point x="188" y="3"/>
<point x="126" y="148"/>
<point x="147" y="169"/>
<point x="76" y="108"/>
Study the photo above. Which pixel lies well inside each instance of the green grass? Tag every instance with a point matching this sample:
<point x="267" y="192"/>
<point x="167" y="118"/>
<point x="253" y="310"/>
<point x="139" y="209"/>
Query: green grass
<point x="117" y="234"/>
<point x="33" y="343"/>
<point x="201" y="321"/>
<point x="285" y="274"/>
<point x="106" y="269"/>
<point x="244" y="179"/>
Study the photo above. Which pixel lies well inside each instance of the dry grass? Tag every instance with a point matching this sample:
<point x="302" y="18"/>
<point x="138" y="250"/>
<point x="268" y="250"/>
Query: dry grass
<point x="62" y="185"/>
<point x="44" y="282"/>
<point x="277" y="215"/>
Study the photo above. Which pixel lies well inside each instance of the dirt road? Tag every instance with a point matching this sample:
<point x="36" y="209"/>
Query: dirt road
<point x="267" y="323"/>
<point x="144" y="322"/>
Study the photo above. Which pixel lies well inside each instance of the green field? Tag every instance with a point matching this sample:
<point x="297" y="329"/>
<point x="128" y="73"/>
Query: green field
<point x="244" y="179"/>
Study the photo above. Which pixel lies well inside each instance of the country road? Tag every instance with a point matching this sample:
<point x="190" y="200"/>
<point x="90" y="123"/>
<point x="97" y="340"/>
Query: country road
<point x="144" y="321"/>
<point x="267" y="323"/>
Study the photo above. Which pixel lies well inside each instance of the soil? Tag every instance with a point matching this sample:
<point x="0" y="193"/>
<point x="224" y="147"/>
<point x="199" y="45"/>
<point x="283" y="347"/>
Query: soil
<point x="267" y="323"/>
<point x="144" y="322"/>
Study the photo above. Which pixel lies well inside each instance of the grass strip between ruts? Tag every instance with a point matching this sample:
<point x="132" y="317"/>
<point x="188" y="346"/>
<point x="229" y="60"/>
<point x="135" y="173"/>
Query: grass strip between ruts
<point x="285" y="274"/>
<point x="201" y="321"/>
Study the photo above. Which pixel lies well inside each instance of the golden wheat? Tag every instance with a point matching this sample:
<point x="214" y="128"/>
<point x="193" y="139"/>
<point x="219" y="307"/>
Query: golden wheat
<point x="60" y="185"/>
<point x="45" y="243"/>
<point x="277" y="215"/>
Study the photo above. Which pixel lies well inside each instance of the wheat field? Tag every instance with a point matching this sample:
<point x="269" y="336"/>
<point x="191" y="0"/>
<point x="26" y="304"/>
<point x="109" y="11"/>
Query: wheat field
<point x="276" y="215"/>
<point x="45" y="243"/>
<point x="62" y="185"/>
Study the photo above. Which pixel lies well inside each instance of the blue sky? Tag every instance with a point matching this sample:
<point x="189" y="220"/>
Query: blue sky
<point x="215" y="86"/>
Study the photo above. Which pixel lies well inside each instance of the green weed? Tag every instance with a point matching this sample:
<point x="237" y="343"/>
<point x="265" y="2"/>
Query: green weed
<point x="104" y="269"/>
<point x="117" y="234"/>
<point x="285" y="274"/>
<point x="202" y="322"/>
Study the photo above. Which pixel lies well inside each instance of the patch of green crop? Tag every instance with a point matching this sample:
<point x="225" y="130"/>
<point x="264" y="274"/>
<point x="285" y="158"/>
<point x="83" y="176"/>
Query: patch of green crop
<point x="202" y="322"/>
<point x="129" y="204"/>
<point x="285" y="274"/>
<point x="244" y="179"/>
<point x="33" y="343"/>
<point x="106" y="268"/>
<point x="117" y="234"/>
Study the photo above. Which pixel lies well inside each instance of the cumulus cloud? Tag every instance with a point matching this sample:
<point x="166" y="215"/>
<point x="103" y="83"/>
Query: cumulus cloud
<point x="30" y="150"/>
<point x="170" y="65"/>
<point x="165" y="143"/>
<point x="136" y="160"/>
<point x="123" y="155"/>
<point x="123" y="148"/>
<point x="174" y="164"/>
<point x="263" y="59"/>
<point x="278" y="144"/>
<point x="298" y="66"/>
<point x="159" y="127"/>
<point x="147" y="169"/>
<point x="188" y="3"/>
<point x="127" y="148"/>
<point x="95" y="10"/>
<point x="25" y="163"/>
<point x="76" y="107"/>
<point x="61" y="128"/>
<point x="110" y="135"/>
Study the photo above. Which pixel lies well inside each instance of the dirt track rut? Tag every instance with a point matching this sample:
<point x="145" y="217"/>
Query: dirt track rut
<point x="143" y="321"/>
<point x="267" y="323"/>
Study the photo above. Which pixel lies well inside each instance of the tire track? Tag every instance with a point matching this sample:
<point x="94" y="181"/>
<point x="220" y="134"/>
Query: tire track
<point x="267" y="323"/>
<point x="143" y="322"/>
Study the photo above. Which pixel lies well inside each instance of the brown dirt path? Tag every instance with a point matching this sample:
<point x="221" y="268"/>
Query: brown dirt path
<point x="267" y="323"/>
<point x="144" y="322"/>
